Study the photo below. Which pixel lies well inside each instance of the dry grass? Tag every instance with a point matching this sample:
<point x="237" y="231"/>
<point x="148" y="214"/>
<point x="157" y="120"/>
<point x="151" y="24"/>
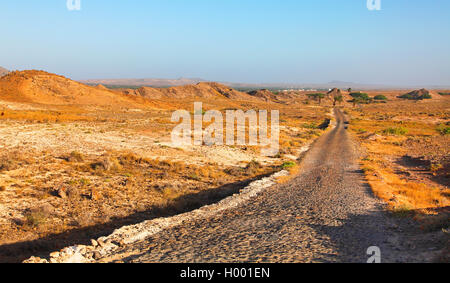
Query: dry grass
<point x="294" y="170"/>
<point x="42" y="116"/>
<point x="84" y="190"/>
<point x="63" y="169"/>
<point x="387" y="133"/>
<point x="401" y="194"/>
<point x="11" y="160"/>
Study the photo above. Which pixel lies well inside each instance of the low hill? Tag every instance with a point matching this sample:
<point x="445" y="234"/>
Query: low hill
<point x="102" y="87"/>
<point x="46" y="88"/>
<point x="263" y="94"/>
<point x="420" y="94"/>
<point x="200" y="90"/>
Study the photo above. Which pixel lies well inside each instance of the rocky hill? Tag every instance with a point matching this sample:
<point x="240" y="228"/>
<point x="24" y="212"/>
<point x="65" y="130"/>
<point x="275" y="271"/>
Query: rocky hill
<point x="263" y="94"/>
<point x="420" y="94"/>
<point x="46" y="88"/>
<point x="200" y="90"/>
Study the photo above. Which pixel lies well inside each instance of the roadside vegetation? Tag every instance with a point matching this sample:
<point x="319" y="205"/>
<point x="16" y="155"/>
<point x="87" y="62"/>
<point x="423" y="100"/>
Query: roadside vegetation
<point x="406" y="156"/>
<point x="69" y="174"/>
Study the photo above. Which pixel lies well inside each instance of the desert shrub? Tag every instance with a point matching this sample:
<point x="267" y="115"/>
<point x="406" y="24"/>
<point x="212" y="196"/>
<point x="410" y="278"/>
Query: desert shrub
<point x="75" y="156"/>
<point x="436" y="167"/>
<point x="278" y="155"/>
<point x="106" y="163"/>
<point x="289" y="164"/>
<point x="234" y="171"/>
<point x="194" y="176"/>
<point x="254" y="164"/>
<point x="317" y="96"/>
<point x="360" y="98"/>
<point x="12" y="160"/>
<point x="380" y="97"/>
<point x="399" y="131"/>
<point x="443" y="130"/>
<point x="338" y="99"/>
<point x="403" y="211"/>
<point x="410" y="96"/>
<point x="368" y="169"/>
<point x="361" y="95"/>
<point x="84" y="182"/>
<point x="130" y="159"/>
<point x="253" y="167"/>
<point x="36" y="218"/>
<point x="407" y="96"/>
<point x="397" y="143"/>
<point x="310" y="126"/>
<point x="6" y="165"/>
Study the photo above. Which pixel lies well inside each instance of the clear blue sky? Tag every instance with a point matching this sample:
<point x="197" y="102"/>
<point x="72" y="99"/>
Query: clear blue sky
<point x="407" y="42"/>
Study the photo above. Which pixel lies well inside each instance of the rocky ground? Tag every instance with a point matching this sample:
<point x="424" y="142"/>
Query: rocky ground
<point x="68" y="175"/>
<point x="326" y="214"/>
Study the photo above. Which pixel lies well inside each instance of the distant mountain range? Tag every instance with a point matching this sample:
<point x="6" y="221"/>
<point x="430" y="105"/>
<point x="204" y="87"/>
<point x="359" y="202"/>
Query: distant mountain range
<point x="127" y="83"/>
<point x="163" y="83"/>
<point x="145" y="82"/>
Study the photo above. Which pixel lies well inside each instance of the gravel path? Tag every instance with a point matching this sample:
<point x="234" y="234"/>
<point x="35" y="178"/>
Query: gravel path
<point x="326" y="214"/>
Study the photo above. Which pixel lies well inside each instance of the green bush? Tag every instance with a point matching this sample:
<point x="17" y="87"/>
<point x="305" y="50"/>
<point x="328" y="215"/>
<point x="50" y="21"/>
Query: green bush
<point x="412" y="97"/>
<point x="289" y="164"/>
<point x="361" y="95"/>
<point x="443" y="130"/>
<point x="310" y="126"/>
<point x="317" y="96"/>
<point x="380" y="97"/>
<point x="407" y="96"/>
<point x="400" y="131"/>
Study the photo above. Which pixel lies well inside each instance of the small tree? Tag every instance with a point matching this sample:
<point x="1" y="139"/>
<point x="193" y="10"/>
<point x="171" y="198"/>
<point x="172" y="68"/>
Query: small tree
<point x="337" y="98"/>
<point x="317" y="96"/>
<point x="320" y="96"/>
<point x="361" y="95"/>
<point x="357" y="101"/>
<point x="349" y="90"/>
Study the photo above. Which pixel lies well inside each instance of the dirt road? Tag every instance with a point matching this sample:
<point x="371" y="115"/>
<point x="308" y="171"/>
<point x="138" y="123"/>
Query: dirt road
<point x="326" y="214"/>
